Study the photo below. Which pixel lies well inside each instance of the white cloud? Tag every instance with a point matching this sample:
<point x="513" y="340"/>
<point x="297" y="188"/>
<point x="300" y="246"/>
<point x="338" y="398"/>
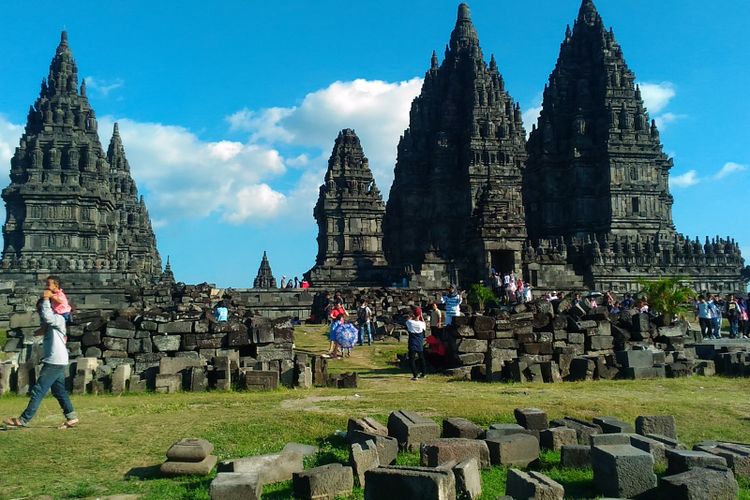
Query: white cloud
<point x="656" y="96"/>
<point x="103" y="87"/>
<point x="188" y="177"/>
<point x="377" y="110"/>
<point x="10" y="133"/>
<point x="729" y="169"/>
<point x="689" y="178"/>
<point x="531" y="115"/>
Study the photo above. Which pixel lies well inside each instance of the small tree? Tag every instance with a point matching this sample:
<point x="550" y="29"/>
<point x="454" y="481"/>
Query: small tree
<point x="667" y="296"/>
<point x="480" y="296"/>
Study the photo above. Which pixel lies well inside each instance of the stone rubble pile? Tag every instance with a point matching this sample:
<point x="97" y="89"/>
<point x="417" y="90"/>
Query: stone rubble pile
<point x="533" y="343"/>
<point x="622" y="457"/>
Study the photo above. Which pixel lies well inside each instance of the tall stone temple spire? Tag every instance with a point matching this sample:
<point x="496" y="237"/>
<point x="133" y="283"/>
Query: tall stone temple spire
<point x="62" y="211"/>
<point x="465" y="135"/>
<point x="349" y="213"/>
<point x="596" y="163"/>
<point x="136" y="241"/>
<point x="265" y="278"/>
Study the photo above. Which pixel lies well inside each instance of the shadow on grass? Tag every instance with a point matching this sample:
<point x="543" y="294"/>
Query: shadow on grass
<point x="144" y="473"/>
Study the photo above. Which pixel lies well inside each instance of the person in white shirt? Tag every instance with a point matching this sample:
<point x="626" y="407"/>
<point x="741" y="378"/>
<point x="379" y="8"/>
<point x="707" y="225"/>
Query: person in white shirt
<point x="416" y="329"/>
<point x="54" y="366"/>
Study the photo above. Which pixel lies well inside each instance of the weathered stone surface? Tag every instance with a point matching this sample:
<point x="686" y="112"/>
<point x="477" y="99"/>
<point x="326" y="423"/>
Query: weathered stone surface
<point x="305" y="450"/>
<point x="270" y="468"/>
<point x="622" y="471"/>
<point x="669" y="443"/>
<point x="166" y="343"/>
<point x="575" y="456"/>
<point x="387" y="446"/>
<point x="171" y="366"/>
<point x="611" y="425"/>
<point x="515" y="449"/>
<point x="737" y="455"/>
<point x="6" y="371"/>
<point x="609" y="439"/>
<point x="202" y="468"/>
<point x="441" y="451"/>
<point x="499" y="430"/>
<point x="533" y="419"/>
<point x="189" y="450"/>
<point x="168" y="383"/>
<point x="367" y="425"/>
<point x="657" y="424"/>
<point x="363" y="457"/>
<point x="323" y="483"/>
<point x="236" y="486"/>
<point x="652" y="446"/>
<point x="468" y="479"/>
<point x="120" y="333"/>
<point x="121" y="378"/>
<point x="532" y="485"/>
<point x="700" y="483"/>
<point x="679" y="461"/>
<point x="583" y="429"/>
<point x="411" y="429"/>
<point x="461" y="428"/>
<point x="557" y="437"/>
<point x="257" y="380"/>
<point x="175" y="327"/>
<point x="414" y="483"/>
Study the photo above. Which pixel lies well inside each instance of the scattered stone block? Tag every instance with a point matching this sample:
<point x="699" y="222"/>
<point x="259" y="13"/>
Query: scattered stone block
<point x="121" y="378"/>
<point x="583" y="429"/>
<point x="461" y="428"/>
<point x="714" y="483"/>
<point x="323" y="483"/>
<point x="622" y="471"/>
<point x="165" y="343"/>
<point x="669" y="443"/>
<point x="652" y="446"/>
<point x="557" y="437"/>
<point x="363" y="457"/>
<point x="305" y="450"/>
<point x="386" y="446"/>
<point x="656" y="424"/>
<point x="499" y="430"/>
<point x="168" y="383"/>
<point x="532" y="419"/>
<point x="611" y="425"/>
<point x="260" y="380"/>
<point x="189" y="450"/>
<point x="575" y="456"/>
<point x="468" y="479"/>
<point x="411" y="429"/>
<point x="202" y="468"/>
<point x="270" y="468"/>
<point x="515" y="449"/>
<point x="6" y="372"/>
<point x="236" y="486"/>
<point x="441" y="451"/>
<point x="414" y="483"/>
<point x="679" y="461"/>
<point x="644" y="373"/>
<point x="532" y="485"/>
<point x="367" y="425"/>
<point x="609" y="439"/>
<point x="737" y="455"/>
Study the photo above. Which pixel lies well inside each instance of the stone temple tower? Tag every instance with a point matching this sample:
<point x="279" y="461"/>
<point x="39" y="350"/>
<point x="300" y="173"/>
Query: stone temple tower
<point x="465" y="135"/>
<point x="135" y="237"/>
<point x="349" y="213"/>
<point x="264" y="278"/>
<point x="596" y="164"/>
<point x="68" y="209"/>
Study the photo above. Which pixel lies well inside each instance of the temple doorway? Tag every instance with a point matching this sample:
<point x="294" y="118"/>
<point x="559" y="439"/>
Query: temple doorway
<point x="503" y="261"/>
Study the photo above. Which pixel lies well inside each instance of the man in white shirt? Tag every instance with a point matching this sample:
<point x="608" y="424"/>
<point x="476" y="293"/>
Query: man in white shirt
<point x="416" y="331"/>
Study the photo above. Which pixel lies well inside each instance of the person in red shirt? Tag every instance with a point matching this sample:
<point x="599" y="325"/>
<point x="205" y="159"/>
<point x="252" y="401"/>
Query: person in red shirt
<point x="436" y="352"/>
<point x="337" y="315"/>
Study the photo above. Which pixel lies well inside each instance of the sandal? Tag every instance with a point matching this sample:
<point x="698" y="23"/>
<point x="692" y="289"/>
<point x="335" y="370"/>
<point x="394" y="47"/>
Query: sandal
<point x="15" y="423"/>
<point x="69" y="424"/>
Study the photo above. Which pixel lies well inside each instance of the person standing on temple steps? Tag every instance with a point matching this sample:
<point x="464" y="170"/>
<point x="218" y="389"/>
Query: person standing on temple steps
<point x="54" y="366"/>
<point x="452" y="303"/>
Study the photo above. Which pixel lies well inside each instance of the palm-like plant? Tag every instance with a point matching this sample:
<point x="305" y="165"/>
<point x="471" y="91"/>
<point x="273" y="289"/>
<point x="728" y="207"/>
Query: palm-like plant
<point x="667" y="296"/>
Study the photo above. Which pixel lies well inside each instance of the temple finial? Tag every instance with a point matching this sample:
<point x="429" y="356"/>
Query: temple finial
<point x="464" y="13"/>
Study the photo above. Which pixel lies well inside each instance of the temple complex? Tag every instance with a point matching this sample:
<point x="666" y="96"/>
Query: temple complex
<point x="584" y="204"/>
<point x="349" y="213"/>
<point x="459" y="169"/>
<point x="71" y="209"/>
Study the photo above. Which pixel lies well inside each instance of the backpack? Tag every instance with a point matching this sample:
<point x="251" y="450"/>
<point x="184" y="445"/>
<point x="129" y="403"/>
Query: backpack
<point x="363" y="314"/>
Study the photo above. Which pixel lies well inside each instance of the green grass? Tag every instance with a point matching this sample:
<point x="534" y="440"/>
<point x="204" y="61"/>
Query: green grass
<point x="122" y="439"/>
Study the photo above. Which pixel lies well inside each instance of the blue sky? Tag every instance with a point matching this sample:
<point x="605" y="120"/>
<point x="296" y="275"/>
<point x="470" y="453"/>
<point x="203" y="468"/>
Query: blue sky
<point x="229" y="110"/>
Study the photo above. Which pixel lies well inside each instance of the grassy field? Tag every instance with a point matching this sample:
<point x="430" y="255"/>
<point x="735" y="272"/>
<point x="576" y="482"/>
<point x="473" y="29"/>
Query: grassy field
<point x="122" y="439"/>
